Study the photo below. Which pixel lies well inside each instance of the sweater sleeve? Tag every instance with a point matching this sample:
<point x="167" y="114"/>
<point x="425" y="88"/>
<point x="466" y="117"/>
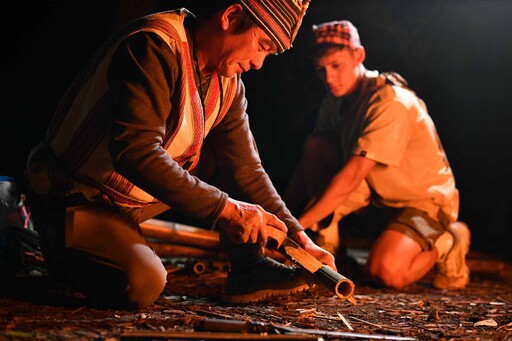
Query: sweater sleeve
<point x="142" y="78"/>
<point x="237" y="156"/>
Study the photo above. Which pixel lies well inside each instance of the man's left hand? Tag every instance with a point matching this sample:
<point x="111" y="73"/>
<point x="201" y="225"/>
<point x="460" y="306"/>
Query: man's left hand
<point x="316" y="251"/>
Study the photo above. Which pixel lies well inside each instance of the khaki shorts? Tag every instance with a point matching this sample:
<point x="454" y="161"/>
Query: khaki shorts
<point x="418" y="225"/>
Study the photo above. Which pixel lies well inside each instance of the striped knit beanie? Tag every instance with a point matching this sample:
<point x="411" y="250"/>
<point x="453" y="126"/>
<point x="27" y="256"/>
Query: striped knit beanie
<point x="342" y="33"/>
<point x="279" y="19"/>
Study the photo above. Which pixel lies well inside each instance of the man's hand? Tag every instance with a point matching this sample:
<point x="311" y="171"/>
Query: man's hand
<point x="245" y="223"/>
<point x="316" y="251"/>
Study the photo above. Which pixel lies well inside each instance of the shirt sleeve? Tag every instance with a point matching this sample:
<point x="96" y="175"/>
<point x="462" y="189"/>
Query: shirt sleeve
<point x="237" y="154"/>
<point x="142" y="78"/>
<point x="387" y="132"/>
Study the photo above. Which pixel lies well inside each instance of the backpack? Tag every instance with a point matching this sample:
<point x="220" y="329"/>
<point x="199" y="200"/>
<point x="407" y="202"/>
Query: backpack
<point x="20" y="252"/>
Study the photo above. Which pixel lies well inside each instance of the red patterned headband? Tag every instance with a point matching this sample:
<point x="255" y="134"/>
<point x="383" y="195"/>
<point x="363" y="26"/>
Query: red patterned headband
<point x="280" y="19"/>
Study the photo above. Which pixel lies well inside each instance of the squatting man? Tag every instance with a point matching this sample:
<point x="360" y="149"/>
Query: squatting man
<point x="157" y="121"/>
<point x="374" y="143"/>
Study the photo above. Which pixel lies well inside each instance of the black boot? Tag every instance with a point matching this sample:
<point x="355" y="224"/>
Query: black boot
<point x="254" y="277"/>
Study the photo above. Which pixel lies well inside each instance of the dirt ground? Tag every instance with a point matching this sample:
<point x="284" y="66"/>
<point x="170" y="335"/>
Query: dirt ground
<point x="32" y="308"/>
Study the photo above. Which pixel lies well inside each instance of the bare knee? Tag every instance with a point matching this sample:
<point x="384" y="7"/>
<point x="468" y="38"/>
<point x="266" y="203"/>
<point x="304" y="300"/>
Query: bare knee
<point x="146" y="286"/>
<point x="397" y="260"/>
<point x="387" y="275"/>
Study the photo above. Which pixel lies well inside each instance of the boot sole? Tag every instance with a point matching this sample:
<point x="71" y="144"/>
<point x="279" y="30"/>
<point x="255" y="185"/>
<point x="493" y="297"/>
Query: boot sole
<point x="261" y="295"/>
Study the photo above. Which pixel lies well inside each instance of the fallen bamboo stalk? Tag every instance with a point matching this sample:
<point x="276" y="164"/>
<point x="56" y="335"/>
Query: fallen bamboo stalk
<point x="170" y="239"/>
<point x="176" y="233"/>
<point x="172" y="250"/>
<point x="172" y="335"/>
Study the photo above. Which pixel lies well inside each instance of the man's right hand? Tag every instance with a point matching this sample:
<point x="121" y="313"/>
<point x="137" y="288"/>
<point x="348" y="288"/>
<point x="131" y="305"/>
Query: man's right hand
<point x="245" y="223"/>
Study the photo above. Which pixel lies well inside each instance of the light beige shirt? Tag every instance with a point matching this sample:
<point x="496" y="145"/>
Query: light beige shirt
<point x="412" y="168"/>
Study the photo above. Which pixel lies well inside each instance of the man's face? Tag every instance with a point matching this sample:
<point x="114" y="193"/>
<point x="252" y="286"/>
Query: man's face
<point x="242" y="52"/>
<point x="340" y="70"/>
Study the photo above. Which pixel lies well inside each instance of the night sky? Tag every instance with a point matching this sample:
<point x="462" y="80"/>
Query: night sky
<point x="455" y="54"/>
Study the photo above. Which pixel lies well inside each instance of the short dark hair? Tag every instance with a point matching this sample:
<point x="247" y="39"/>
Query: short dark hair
<point x="205" y="9"/>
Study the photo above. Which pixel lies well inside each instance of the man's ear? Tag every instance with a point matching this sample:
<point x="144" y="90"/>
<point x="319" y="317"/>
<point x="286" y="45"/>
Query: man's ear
<point x="230" y="16"/>
<point x="360" y="54"/>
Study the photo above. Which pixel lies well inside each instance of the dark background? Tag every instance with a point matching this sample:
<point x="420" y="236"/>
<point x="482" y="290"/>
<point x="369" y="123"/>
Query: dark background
<point x="455" y="54"/>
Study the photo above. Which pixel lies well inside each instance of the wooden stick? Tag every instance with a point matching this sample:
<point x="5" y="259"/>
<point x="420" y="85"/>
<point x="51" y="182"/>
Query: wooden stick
<point x="171" y="335"/>
<point x="344" y="320"/>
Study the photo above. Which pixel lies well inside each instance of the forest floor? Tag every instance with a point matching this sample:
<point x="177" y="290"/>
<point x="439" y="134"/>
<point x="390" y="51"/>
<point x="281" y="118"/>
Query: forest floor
<point x="32" y="308"/>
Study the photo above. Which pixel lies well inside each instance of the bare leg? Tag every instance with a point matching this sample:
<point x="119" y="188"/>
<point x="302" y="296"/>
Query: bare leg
<point x="397" y="260"/>
<point x="116" y="239"/>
